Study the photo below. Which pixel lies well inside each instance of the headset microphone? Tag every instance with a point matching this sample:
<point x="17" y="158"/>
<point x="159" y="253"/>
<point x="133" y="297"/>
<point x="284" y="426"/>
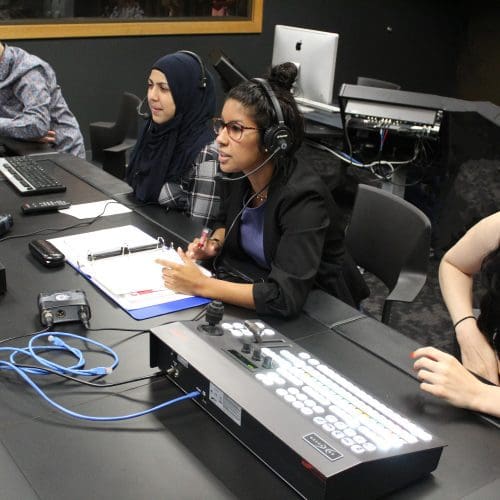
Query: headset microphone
<point x="221" y="177"/>
<point x="143" y="114"/>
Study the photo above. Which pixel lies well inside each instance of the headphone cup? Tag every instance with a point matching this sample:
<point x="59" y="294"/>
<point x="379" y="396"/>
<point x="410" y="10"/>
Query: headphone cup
<point x="203" y="71"/>
<point x="277" y="137"/>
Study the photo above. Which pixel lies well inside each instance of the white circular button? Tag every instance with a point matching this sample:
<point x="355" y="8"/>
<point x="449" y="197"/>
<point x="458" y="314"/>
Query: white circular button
<point x="268" y="332"/>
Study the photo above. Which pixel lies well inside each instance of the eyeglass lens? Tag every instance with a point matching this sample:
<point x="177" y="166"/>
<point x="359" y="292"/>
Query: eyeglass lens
<point x="234" y="130"/>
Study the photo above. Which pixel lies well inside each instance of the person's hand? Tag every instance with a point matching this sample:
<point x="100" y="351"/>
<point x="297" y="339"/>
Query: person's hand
<point x="50" y="138"/>
<point x="182" y="278"/>
<point x="209" y="250"/>
<point x="443" y="376"/>
<point x="477" y="354"/>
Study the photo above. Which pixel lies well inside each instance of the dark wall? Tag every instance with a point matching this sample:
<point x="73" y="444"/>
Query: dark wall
<point x="478" y="68"/>
<point x="413" y="43"/>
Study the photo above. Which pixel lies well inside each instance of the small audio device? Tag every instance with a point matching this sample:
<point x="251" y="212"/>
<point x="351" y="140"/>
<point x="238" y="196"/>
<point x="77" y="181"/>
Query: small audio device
<point x="6" y="222"/>
<point x="63" y="306"/>
<point x="36" y="207"/>
<point x="46" y="253"/>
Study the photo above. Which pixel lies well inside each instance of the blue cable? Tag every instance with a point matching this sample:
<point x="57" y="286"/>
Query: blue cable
<point x="60" y="345"/>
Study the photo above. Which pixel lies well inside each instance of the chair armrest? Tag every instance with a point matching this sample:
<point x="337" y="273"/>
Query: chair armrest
<point x="408" y="287"/>
<point x="123" y="146"/>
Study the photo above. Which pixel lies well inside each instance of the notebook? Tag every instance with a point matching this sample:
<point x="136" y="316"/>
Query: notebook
<point x="121" y="262"/>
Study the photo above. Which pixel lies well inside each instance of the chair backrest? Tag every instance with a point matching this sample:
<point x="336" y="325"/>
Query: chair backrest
<point x="373" y="82"/>
<point x="127" y="121"/>
<point x="390" y="238"/>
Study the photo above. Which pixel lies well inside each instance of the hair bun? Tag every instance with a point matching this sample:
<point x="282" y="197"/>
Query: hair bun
<point x="283" y="75"/>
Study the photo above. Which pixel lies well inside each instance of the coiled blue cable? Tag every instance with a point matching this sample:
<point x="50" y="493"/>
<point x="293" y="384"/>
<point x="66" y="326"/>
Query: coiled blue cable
<point x="74" y="370"/>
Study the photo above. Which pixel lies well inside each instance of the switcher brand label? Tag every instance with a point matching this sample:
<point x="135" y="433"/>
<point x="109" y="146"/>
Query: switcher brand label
<point x="322" y="446"/>
<point x="225" y="403"/>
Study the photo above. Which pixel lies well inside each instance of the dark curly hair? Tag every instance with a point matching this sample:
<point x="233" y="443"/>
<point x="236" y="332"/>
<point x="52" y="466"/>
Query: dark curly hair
<point x="489" y="319"/>
<point x="252" y="96"/>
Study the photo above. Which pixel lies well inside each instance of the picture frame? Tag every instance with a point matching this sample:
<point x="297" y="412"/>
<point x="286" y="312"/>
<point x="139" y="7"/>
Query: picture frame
<point x="218" y="21"/>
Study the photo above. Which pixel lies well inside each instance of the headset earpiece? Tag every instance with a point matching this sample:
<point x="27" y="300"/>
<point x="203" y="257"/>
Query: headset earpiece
<point x="203" y="72"/>
<point x="277" y="137"/>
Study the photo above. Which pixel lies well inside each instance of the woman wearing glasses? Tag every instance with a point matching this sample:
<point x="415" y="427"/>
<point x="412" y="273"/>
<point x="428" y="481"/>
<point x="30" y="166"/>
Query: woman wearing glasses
<point x="175" y="159"/>
<point x="278" y="233"/>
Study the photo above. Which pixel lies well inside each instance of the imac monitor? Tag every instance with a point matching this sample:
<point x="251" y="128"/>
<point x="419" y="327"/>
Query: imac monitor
<point x="315" y="55"/>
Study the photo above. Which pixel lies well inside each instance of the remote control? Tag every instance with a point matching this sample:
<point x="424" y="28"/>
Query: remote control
<point x="35" y="207"/>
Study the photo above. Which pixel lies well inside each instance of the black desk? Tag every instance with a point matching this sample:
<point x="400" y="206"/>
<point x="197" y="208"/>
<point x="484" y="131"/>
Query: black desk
<point x="180" y="452"/>
<point x="24" y="148"/>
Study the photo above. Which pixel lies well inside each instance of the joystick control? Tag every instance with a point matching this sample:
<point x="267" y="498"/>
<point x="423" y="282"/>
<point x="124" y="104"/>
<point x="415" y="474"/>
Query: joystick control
<point x="213" y="316"/>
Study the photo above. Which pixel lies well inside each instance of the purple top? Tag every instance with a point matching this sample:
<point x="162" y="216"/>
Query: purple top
<point x="252" y="234"/>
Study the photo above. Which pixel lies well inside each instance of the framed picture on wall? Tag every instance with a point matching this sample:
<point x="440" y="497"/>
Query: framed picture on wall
<point x="30" y="19"/>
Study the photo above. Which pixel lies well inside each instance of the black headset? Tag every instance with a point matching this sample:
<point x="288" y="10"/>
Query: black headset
<point x="276" y="137"/>
<point x="203" y="71"/>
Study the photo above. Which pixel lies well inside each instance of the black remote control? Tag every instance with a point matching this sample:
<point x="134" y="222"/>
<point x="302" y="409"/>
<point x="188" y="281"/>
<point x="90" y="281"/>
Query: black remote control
<point x="36" y="207"/>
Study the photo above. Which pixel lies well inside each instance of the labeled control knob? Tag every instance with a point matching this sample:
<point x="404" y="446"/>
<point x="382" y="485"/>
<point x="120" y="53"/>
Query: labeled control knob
<point x="267" y="362"/>
<point x="256" y="356"/>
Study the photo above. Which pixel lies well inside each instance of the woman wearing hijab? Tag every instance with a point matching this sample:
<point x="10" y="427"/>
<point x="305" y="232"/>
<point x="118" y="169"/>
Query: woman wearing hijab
<point x="175" y="159"/>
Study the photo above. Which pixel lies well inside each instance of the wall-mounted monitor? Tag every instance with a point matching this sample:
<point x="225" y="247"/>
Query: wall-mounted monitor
<point x="230" y="74"/>
<point x="315" y="55"/>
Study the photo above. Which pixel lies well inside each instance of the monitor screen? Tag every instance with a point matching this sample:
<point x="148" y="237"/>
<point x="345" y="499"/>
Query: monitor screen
<point x="315" y="55"/>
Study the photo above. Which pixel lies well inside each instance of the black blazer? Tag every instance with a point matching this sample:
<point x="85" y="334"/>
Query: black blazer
<point x="303" y="242"/>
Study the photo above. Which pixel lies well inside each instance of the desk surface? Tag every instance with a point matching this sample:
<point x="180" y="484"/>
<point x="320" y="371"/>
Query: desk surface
<point x="180" y="451"/>
<point x="16" y="147"/>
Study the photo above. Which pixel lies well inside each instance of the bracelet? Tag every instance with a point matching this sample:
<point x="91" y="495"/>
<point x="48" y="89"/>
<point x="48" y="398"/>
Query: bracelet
<point x="463" y="319"/>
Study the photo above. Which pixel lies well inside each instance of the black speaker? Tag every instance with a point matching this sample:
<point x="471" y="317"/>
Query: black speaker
<point x="203" y="72"/>
<point x="277" y="137"/>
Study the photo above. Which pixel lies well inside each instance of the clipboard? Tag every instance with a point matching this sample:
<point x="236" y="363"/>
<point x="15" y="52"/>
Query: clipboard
<point x="120" y="262"/>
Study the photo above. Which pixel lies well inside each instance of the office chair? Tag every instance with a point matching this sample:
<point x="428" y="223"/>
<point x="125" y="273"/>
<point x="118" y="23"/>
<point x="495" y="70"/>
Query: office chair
<point x="373" y="82"/>
<point x="390" y="238"/>
<point x="110" y="141"/>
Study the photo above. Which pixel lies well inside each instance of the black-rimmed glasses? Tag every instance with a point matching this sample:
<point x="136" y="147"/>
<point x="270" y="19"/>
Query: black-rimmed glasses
<point x="234" y="129"/>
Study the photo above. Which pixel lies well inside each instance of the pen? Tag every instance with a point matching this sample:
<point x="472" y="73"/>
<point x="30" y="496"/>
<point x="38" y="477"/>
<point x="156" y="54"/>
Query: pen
<point x="203" y="237"/>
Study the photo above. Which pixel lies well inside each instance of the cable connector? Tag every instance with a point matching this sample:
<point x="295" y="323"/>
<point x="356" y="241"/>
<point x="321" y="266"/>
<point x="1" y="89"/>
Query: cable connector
<point x="102" y="370"/>
<point x="47" y="319"/>
<point x="84" y="317"/>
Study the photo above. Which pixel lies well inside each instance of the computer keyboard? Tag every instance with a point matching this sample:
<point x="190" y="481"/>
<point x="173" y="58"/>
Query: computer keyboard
<point x="28" y="176"/>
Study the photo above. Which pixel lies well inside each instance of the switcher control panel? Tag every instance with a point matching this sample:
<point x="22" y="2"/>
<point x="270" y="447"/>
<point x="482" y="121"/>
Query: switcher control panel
<point x="319" y="431"/>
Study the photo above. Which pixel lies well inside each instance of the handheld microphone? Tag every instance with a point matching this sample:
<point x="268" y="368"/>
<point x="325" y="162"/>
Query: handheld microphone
<point x="221" y="177"/>
<point x="143" y="114"/>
